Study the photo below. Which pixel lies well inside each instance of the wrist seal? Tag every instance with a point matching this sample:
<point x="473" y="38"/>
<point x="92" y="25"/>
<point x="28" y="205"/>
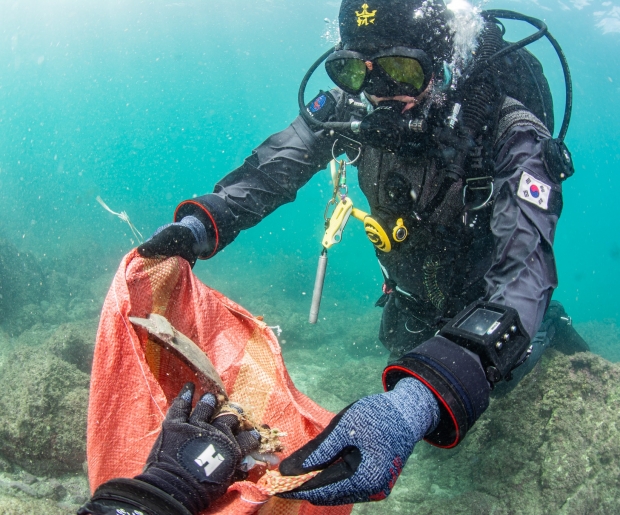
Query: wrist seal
<point x="132" y="494"/>
<point x="456" y="378"/>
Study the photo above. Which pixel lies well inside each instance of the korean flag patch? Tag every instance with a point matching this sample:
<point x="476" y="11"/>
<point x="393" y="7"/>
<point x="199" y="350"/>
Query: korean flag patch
<point x="534" y="191"/>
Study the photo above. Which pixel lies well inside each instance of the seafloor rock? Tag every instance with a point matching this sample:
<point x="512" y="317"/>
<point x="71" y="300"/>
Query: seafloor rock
<point x="552" y="445"/>
<point x="42" y="412"/>
<point x="315" y="373"/>
<point x="10" y="505"/>
<point x="23" y="493"/>
<point x="53" y="337"/>
<point x="74" y="343"/>
<point x="66" y="284"/>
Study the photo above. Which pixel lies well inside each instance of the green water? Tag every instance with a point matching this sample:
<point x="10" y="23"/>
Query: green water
<point x="149" y="103"/>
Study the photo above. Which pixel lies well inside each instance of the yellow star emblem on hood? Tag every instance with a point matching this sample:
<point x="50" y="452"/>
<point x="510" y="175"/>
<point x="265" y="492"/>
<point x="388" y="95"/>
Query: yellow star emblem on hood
<point x="365" y="17"/>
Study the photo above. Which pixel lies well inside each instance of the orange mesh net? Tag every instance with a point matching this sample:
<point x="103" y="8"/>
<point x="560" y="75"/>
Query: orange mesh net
<point x="134" y="379"/>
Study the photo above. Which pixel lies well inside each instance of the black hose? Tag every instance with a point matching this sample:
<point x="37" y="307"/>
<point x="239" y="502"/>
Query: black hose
<point x="337" y="126"/>
<point x="304" y="82"/>
<point x="568" y="106"/>
<point x="511" y="15"/>
<point x="492" y="14"/>
<point x="479" y="95"/>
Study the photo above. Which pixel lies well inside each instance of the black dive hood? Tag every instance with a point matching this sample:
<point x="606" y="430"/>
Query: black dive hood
<point x="387" y="127"/>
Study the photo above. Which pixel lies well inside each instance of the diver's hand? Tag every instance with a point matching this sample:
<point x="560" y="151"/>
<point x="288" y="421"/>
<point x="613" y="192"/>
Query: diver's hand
<point x="195" y="460"/>
<point x="186" y="238"/>
<point x="365" y="447"/>
<point x="192" y="463"/>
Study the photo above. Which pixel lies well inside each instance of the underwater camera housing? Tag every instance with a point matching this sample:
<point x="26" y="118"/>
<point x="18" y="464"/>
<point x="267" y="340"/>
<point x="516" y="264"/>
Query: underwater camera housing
<point x="540" y="101"/>
<point x="494" y="333"/>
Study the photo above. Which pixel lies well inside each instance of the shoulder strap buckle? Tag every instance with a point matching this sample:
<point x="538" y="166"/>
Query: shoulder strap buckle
<point x="475" y="185"/>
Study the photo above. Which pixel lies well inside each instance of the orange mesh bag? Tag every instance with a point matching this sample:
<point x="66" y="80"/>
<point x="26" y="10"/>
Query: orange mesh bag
<point x="134" y="379"/>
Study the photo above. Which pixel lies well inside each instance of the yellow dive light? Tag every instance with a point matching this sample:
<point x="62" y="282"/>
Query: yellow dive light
<point x="377" y="235"/>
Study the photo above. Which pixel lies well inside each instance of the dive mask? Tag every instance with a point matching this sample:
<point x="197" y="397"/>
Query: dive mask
<point x="391" y="72"/>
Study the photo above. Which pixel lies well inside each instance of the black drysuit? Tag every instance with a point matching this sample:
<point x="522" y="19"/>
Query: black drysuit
<point x="503" y="253"/>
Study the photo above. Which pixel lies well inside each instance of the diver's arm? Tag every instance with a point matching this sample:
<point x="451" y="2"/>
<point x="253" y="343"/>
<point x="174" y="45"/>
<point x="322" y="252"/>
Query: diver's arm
<point x="269" y="178"/>
<point x="523" y="273"/>
<point x="522" y="276"/>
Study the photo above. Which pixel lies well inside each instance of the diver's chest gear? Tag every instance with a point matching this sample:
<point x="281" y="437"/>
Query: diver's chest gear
<point x="388" y="73"/>
<point x="383" y="238"/>
<point x="375" y="232"/>
<point x="415" y="190"/>
<point x="399" y="231"/>
<point x="426" y="255"/>
<point x="380" y="237"/>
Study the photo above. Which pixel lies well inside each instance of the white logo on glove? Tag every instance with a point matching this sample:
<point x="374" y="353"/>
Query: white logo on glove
<point x="209" y="460"/>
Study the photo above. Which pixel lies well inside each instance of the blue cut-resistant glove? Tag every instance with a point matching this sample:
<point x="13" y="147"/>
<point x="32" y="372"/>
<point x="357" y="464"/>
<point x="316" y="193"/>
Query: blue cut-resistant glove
<point x="365" y="447"/>
<point x="187" y="238"/>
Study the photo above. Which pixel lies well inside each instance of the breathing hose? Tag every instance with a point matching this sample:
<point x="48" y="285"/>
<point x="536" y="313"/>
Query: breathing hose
<point x="494" y="14"/>
<point x="336" y="126"/>
<point x="478" y="95"/>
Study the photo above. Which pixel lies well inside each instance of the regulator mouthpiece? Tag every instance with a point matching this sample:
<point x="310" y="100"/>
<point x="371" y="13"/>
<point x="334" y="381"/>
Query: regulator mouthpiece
<point x="387" y="127"/>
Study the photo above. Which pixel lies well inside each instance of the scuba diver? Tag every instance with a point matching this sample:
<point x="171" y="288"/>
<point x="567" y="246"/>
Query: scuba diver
<point x="456" y="157"/>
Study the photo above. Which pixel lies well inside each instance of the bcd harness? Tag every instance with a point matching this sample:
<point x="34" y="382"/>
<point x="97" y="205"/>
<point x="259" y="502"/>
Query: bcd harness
<point x="442" y="223"/>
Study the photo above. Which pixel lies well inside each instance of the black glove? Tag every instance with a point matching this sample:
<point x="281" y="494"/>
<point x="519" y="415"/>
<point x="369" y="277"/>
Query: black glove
<point x="192" y="463"/>
<point x="560" y="330"/>
<point x="187" y="238"/>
